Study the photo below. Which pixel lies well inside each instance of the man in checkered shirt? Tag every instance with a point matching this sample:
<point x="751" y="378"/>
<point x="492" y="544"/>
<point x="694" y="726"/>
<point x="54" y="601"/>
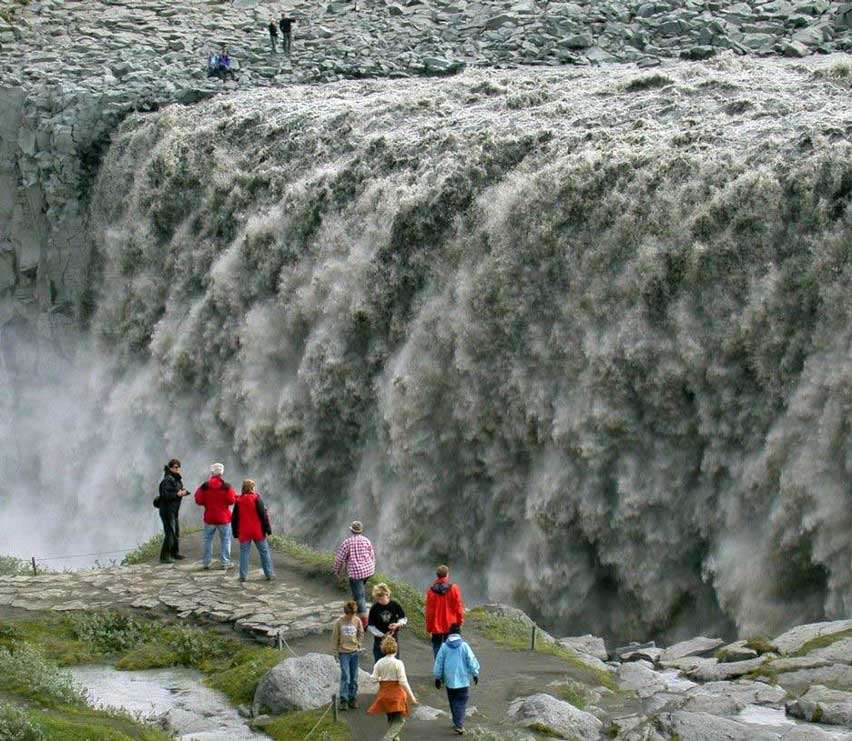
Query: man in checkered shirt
<point x="356" y="553"/>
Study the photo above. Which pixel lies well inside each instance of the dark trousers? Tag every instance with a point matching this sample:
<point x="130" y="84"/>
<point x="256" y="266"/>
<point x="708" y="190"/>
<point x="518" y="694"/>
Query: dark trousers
<point x="285" y="43"/>
<point x="458" y="704"/>
<point x="171" y="533"/>
<point x="437" y="640"/>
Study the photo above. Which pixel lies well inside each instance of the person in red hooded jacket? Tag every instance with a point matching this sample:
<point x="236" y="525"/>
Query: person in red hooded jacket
<point x="444" y="607"/>
<point x="217" y="497"/>
<point x="250" y="524"/>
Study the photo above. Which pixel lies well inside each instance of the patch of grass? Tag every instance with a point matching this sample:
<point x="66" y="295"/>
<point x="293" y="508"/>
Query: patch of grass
<point x="841" y="72"/>
<point x="572" y="692"/>
<point x="150" y="549"/>
<point x="296" y="726"/>
<point x="53" y="634"/>
<point x="26" y="672"/>
<point x="514" y="634"/>
<point x="647" y="82"/>
<point x="761" y="645"/>
<point x="311" y="560"/>
<point x="237" y="676"/>
<point x="86" y="724"/>
<point x="822" y="642"/>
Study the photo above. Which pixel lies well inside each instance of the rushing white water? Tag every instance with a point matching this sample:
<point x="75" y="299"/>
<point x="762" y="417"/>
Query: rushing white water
<point x="584" y="335"/>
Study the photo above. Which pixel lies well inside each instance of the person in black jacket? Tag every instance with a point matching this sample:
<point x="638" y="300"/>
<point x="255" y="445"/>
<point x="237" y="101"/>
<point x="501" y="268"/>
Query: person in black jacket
<point x="168" y="502"/>
<point x="286" y="26"/>
<point x="273" y="34"/>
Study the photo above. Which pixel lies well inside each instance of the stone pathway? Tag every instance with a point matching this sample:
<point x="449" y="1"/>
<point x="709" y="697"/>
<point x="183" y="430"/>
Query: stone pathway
<point x="259" y="608"/>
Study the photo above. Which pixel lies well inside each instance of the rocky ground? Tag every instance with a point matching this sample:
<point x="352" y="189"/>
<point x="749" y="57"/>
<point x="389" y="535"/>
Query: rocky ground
<point x="797" y="686"/>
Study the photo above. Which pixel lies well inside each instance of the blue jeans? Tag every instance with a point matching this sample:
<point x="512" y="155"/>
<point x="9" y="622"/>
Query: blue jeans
<point x="265" y="557"/>
<point x="357" y="587"/>
<point x="348" y="676"/>
<point x="224" y="538"/>
<point x="458" y="704"/>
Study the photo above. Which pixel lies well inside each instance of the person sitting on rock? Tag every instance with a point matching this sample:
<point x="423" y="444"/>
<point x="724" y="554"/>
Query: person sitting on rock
<point x="213" y="65"/>
<point x="225" y="65"/>
<point x="346" y="637"/>
<point x="273" y="34"/>
<point x="250" y="524"/>
<point x="444" y="607"/>
<point x="455" y="665"/>
<point x="171" y="495"/>
<point x="386" y="619"/>
<point x="394" y="691"/>
<point x="216" y="496"/>
<point x="356" y="553"/>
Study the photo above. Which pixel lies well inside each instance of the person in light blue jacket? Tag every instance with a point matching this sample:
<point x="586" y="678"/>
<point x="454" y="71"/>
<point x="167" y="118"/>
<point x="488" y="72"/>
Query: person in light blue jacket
<point x="455" y="665"/>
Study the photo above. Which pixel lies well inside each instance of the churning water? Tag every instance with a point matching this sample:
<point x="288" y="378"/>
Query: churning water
<point x="584" y="335"/>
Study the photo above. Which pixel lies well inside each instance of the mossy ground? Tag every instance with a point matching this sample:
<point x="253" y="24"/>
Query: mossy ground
<point x="514" y="634"/>
<point x="822" y="642"/>
<point x="318" y="723"/>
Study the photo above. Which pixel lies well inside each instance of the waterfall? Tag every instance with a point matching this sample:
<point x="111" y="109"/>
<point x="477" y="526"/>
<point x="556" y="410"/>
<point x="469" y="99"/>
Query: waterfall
<point x="583" y="335"/>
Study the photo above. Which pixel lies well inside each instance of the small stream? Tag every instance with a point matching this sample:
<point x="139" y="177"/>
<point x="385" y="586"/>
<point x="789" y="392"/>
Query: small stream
<point x="192" y="710"/>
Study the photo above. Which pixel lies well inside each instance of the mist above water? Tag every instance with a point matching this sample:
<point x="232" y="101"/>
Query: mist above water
<point x="585" y="336"/>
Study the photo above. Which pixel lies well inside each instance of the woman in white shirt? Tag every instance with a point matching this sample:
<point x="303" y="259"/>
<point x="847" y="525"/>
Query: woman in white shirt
<point x="394" y="690"/>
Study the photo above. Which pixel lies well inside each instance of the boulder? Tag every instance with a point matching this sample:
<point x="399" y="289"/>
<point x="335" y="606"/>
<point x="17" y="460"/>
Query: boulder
<point x="793" y="663"/>
<point x="640" y="677"/>
<point x="560" y="718"/>
<point x="737" y="651"/>
<point x="823" y="705"/>
<point x="808" y="733"/>
<point x="700" y="646"/>
<point x="796" y="638"/>
<point x="699" y="701"/>
<point x="836" y="675"/>
<point x="747" y="692"/>
<point x="302" y="683"/>
<point x="713" y="672"/>
<point x="587" y="644"/>
<point x="706" y="727"/>
<point x="839" y="652"/>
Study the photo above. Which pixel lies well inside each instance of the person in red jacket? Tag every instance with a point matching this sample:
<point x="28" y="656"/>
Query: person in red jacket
<point x="216" y="496"/>
<point x="250" y="524"/>
<point x="444" y="607"/>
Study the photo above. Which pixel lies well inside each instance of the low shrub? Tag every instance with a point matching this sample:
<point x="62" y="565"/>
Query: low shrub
<point x="25" y="671"/>
<point x="10" y="566"/>
<point x="110" y="632"/>
<point x="647" y="82"/>
<point x="15" y="725"/>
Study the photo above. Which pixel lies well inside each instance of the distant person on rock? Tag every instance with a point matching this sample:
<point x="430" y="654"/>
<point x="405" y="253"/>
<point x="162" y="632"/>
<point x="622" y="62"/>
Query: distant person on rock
<point x="386" y="618"/>
<point x="213" y="65"/>
<point x="444" y="607"/>
<point x="356" y="553"/>
<point x="216" y="496"/>
<point x="394" y="691"/>
<point x="455" y="665"/>
<point x="273" y="34"/>
<point x="346" y="637"/>
<point x="286" y="26"/>
<point x="168" y="502"/>
<point x="250" y="524"/>
<point x="225" y="65"/>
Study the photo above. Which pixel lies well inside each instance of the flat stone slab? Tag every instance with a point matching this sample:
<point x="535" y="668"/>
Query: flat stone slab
<point x="263" y="610"/>
<point x="699" y="646"/>
<point x="797" y="637"/>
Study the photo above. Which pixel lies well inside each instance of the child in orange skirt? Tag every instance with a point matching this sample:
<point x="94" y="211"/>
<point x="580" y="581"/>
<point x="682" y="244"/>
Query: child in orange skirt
<point x="394" y="690"/>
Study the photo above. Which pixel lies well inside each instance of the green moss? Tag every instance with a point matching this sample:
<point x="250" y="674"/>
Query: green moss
<point x="647" y="82"/>
<point x="822" y="642"/>
<point x="514" y="634"/>
<point x="53" y="634"/>
<point x="311" y="560"/>
<point x="237" y="676"/>
<point x="545" y="730"/>
<point x="296" y="726"/>
<point x="146" y="656"/>
<point x="761" y="645"/>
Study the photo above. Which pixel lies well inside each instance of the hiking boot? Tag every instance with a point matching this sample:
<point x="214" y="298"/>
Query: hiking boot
<point x="178" y="557"/>
<point x="459" y="730"/>
<point x="343" y="705"/>
<point x="205" y="567"/>
<point x="167" y="560"/>
<point x="353" y="703"/>
<point x="270" y="577"/>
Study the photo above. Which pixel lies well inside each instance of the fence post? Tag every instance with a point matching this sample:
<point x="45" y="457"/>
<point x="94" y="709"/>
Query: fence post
<point x="532" y="639"/>
<point x="35" y="570"/>
<point x="334" y="707"/>
<point x="280" y="641"/>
